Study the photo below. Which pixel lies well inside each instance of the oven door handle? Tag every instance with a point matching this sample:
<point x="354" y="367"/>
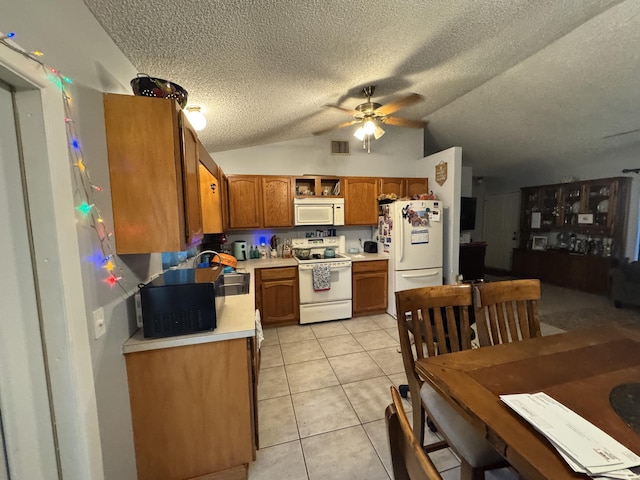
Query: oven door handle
<point x="332" y="266"/>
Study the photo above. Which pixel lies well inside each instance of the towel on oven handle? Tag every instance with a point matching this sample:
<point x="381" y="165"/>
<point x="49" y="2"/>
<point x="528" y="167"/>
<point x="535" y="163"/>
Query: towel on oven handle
<point x="321" y="276"/>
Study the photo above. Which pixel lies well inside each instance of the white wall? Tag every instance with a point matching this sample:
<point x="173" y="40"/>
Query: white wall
<point x="393" y="155"/>
<point x="449" y="193"/>
<point x="72" y="40"/>
<point x="75" y="43"/>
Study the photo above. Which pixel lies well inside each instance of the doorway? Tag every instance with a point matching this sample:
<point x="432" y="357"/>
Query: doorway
<point x="26" y="419"/>
<point x="501" y="217"/>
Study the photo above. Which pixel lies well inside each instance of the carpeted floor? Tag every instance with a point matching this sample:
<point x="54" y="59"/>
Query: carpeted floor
<point x="572" y="309"/>
<point x="590" y="317"/>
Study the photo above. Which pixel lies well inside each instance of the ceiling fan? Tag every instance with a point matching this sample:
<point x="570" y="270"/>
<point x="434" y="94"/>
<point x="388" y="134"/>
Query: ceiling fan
<point x="370" y="115"/>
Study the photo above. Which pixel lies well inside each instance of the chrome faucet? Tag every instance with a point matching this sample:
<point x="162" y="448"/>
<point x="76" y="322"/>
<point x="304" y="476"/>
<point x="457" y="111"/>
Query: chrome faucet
<point x="215" y="254"/>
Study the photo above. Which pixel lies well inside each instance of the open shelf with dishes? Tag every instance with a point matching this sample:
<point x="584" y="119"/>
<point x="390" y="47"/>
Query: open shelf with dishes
<point x="314" y="185"/>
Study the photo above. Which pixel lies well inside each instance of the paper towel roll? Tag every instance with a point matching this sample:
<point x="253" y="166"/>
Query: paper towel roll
<point x="342" y="244"/>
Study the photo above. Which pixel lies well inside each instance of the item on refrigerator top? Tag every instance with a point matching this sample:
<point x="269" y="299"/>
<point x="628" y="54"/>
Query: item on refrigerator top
<point x="411" y="232"/>
<point x="240" y="250"/>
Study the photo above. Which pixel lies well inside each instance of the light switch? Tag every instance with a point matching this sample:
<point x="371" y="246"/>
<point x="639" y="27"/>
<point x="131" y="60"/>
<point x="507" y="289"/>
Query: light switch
<point x="99" y="327"/>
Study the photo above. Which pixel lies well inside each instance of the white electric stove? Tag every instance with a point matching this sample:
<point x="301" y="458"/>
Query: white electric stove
<point x="325" y="305"/>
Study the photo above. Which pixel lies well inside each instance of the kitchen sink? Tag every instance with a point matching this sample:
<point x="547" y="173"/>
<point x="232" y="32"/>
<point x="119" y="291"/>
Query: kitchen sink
<point x="236" y="283"/>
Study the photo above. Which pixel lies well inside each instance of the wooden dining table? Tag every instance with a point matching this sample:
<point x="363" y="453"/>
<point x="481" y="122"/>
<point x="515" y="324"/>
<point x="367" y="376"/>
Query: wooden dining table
<point x="578" y="368"/>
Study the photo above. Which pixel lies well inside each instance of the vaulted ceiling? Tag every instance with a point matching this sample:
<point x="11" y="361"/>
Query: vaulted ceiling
<point x="511" y="81"/>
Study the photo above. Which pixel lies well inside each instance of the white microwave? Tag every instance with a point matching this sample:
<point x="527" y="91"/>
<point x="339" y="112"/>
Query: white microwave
<point x="318" y="211"/>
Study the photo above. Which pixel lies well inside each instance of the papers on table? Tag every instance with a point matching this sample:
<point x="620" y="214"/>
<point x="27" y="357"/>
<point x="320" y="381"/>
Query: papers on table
<point x="585" y="447"/>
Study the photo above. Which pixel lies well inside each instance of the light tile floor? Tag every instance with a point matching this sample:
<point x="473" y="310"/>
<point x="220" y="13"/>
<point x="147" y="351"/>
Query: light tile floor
<point x="322" y="394"/>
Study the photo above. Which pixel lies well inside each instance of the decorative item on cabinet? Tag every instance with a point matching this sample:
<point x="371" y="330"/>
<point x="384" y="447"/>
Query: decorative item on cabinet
<point x="146" y="86"/>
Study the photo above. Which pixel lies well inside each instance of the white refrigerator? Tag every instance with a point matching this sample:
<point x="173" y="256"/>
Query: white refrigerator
<point x="410" y="231"/>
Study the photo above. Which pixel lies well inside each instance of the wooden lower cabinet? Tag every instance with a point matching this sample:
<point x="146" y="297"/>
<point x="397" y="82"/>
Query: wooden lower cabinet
<point x="369" y="283"/>
<point x="192" y="409"/>
<point x="589" y="273"/>
<point x="277" y="295"/>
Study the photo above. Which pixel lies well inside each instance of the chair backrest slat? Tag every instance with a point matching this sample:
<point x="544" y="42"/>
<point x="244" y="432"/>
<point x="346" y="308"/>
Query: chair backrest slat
<point x="436" y="316"/>
<point x="496" y="318"/>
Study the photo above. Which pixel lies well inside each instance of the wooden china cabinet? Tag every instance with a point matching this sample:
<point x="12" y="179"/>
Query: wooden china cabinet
<point x="579" y="227"/>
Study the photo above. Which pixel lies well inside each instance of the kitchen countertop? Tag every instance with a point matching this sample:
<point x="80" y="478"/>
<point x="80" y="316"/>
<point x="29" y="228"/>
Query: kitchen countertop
<point x="367" y="257"/>
<point x="237" y="315"/>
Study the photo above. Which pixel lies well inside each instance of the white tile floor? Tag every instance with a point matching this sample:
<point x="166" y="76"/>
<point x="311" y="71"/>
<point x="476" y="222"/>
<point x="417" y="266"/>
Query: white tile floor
<point x="322" y="394"/>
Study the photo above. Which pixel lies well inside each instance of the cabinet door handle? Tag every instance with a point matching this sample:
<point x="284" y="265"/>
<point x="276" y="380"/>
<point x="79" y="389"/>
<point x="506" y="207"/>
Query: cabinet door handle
<point x="213" y="187"/>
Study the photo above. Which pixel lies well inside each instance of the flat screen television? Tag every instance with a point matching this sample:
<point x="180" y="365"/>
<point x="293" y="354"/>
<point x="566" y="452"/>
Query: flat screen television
<point x="468" y="213"/>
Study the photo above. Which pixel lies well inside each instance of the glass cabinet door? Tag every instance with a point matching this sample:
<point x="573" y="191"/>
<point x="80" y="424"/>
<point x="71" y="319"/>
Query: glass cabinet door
<point x="572" y="204"/>
<point x="529" y="207"/>
<point x="599" y="202"/>
<point x="550" y="209"/>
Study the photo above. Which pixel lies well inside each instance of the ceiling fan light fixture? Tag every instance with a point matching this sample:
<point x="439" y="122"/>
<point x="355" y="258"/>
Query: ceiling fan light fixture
<point x="369" y="127"/>
<point x="378" y="132"/>
<point x="196" y="117"/>
<point x="359" y="133"/>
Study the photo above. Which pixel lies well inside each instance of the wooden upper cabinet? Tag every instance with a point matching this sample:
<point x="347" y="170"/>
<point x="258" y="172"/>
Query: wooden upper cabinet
<point x="404" y="187"/>
<point x="190" y="172"/>
<point x="360" y="199"/>
<point x="210" y="200"/>
<point x="416" y="186"/>
<point x="210" y="197"/>
<point x="392" y="185"/>
<point x="277" y="204"/>
<point x="244" y="201"/>
<point x="224" y="199"/>
<point x="153" y="168"/>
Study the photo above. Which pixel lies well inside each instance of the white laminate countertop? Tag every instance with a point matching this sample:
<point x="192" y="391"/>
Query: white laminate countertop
<point x="237" y="318"/>
<point x="367" y="257"/>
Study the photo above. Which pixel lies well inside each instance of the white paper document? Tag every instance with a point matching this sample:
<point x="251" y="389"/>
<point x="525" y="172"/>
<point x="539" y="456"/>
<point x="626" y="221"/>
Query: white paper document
<point x="585" y="447"/>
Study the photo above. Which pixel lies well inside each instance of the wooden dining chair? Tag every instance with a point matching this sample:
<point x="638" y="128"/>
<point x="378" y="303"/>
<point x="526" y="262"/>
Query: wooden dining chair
<point x="438" y="319"/>
<point x="506" y="311"/>
<point x="407" y="457"/>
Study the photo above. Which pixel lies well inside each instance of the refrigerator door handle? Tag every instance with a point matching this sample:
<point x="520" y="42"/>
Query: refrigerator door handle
<point x="419" y="275"/>
<point x="400" y="233"/>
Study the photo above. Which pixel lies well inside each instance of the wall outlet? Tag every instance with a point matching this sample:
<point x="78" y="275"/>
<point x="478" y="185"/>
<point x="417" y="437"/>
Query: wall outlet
<point x="99" y="326"/>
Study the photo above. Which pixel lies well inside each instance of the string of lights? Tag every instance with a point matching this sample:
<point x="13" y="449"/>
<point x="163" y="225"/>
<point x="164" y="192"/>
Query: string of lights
<point x="104" y="258"/>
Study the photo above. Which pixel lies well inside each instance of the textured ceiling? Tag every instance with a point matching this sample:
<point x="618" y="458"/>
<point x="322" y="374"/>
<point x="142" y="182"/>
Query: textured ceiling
<point x="508" y="80"/>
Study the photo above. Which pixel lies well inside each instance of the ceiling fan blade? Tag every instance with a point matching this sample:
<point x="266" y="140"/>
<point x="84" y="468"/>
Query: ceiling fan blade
<point x="404" y="122"/>
<point x="348" y="110"/>
<point x="389" y="108"/>
<point x="335" y="127"/>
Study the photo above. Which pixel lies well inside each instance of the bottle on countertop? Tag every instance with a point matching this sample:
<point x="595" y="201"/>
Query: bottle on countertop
<point x="263" y="251"/>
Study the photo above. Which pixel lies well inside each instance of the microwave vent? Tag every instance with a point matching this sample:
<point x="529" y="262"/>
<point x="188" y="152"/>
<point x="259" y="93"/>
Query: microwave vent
<point x="340" y="147"/>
